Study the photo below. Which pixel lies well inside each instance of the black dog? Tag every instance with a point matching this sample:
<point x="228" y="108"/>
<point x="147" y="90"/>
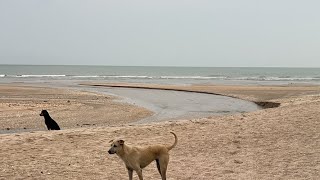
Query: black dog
<point x="51" y="124"/>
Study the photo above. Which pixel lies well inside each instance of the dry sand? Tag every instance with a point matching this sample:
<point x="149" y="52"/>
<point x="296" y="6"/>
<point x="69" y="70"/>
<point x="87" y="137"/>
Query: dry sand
<point x="20" y="107"/>
<point x="275" y="143"/>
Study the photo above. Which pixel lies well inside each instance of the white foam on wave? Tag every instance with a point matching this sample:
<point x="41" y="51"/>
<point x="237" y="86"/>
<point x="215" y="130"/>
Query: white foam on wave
<point x="130" y="77"/>
<point x="94" y="76"/>
<point x="244" y="78"/>
<point x="192" y="77"/>
<point x="40" y="75"/>
<point x="277" y="78"/>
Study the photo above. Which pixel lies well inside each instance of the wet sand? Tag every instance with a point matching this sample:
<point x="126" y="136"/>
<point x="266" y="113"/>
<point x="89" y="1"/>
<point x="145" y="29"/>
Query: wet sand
<point x="274" y="143"/>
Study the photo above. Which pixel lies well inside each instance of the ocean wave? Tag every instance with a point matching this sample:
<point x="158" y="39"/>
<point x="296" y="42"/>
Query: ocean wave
<point x="129" y="77"/>
<point x="40" y="75"/>
<point x="208" y="78"/>
<point x="216" y="75"/>
<point x="287" y="78"/>
<point x="112" y="76"/>
<point x="94" y="76"/>
<point x="192" y="77"/>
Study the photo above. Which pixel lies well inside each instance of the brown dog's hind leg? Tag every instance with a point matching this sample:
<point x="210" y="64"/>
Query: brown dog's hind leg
<point x="158" y="166"/>
<point x="163" y="164"/>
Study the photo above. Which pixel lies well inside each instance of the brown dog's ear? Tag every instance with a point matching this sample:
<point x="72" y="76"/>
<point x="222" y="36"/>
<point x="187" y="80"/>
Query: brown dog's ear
<point x="111" y="141"/>
<point x="121" y="142"/>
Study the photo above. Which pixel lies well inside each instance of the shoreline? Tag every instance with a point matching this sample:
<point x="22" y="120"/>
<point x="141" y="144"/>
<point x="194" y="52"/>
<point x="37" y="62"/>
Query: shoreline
<point x="276" y="143"/>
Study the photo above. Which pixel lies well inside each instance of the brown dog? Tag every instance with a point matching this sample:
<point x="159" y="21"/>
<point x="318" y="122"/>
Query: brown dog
<point x="137" y="158"/>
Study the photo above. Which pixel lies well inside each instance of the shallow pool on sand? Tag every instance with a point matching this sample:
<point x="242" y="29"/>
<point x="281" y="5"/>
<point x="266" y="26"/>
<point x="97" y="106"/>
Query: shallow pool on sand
<point x="174" y="105"/>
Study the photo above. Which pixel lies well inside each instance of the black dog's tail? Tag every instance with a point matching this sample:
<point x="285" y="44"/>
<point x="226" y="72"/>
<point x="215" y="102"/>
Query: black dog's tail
<point x="175" y="141"/>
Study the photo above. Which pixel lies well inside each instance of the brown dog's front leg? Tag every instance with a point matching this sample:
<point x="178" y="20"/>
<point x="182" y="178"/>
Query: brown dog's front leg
<point x="130" y="173"/>
<point x="139" y="172"/>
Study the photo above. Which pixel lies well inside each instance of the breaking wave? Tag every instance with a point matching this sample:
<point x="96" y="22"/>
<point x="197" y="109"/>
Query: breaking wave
<point x="210" y="77"/>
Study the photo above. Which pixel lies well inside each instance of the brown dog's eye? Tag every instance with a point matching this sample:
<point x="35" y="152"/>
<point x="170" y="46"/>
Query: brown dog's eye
<point x="114" y="146"/>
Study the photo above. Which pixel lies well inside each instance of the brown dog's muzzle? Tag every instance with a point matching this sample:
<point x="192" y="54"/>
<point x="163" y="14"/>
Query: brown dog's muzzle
<point x="111" y="152"/>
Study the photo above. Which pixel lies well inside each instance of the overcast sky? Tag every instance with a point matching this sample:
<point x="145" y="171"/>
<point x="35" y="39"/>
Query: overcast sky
<point x="214" y="33"/>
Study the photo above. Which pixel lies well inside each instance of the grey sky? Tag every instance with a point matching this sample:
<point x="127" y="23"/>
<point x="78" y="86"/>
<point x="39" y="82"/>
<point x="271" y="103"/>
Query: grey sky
<point x="164" y="32"/>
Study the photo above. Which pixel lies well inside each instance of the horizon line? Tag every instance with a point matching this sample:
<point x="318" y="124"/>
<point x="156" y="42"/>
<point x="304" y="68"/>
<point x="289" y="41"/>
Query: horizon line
<point x="158" y="66"/>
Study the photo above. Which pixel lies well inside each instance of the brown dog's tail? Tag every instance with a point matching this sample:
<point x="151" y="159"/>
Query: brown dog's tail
<point x="175" y="141"/>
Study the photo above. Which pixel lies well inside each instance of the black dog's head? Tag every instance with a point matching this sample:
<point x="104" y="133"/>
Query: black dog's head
<point x="44" y="113"/>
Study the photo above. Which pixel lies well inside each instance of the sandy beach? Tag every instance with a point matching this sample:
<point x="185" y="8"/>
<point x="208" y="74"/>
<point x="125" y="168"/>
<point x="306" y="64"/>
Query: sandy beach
<point x="21" y="105"/>
<point x="271" y="143"/>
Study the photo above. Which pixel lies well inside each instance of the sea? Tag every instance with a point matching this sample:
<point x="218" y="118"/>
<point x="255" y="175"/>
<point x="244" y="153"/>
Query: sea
<point x="159" y="75"/>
